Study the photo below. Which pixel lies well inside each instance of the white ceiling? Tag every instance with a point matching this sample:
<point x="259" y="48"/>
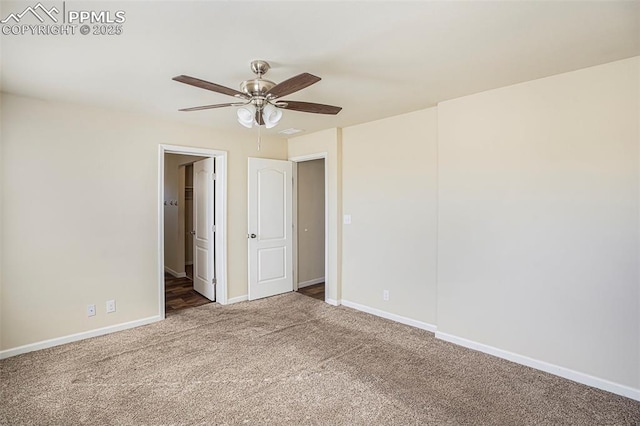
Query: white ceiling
<point x="376" y="59"/>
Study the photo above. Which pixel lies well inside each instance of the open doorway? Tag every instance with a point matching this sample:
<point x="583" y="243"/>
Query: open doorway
<point x="192" y="227"/>
<point x="310" y="214"/>
<point x="179" y="230"/>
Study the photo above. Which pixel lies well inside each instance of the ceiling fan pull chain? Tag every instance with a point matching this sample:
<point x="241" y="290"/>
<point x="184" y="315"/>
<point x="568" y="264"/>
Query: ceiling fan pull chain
<point x="259" y="136"/>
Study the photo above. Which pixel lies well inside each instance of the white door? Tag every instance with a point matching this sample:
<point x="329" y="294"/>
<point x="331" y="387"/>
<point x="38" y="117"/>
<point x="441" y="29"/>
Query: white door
<point x="203" y="229"/>
<point x="270" y="227"/>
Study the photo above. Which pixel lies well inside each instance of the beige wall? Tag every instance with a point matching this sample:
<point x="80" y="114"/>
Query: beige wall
<point x="538" y="220"/>
<point x="534" y="247"/>
<point x="389" y="189"/>
<point x="80" y="208"/>
<point x="328" y="142"/>
<point x="311" y="221"/>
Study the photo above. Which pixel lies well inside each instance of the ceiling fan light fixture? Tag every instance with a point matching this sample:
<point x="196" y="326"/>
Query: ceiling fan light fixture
<point x="271" y="115"/>
<point x="247" y="115"/>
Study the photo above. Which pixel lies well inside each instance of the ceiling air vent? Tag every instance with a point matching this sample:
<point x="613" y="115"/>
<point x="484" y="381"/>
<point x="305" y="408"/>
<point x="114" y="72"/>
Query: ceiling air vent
<point x="290" y="131"/>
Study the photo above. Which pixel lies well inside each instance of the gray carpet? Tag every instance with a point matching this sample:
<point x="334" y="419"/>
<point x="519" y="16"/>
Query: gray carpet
<point x="293" y="360"/>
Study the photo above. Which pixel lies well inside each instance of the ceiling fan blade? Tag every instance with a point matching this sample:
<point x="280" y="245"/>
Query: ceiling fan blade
<point x="259" y="118"/>
<point x="293" y="84"/>
<point x="199" y="108"/>
<point x="311" y="107"/>
<point x="208" y="86"/>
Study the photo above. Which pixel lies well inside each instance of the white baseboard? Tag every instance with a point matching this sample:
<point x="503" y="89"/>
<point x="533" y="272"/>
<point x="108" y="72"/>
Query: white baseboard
<point x="333" y="302"/>
<point x="237" y="299"/>
<point x="311" y="282"/>
<point x="75" y="337"/>
<point x="393" y="317"/>
<point x="575" y="376"/>
<point x="174" y="273"/>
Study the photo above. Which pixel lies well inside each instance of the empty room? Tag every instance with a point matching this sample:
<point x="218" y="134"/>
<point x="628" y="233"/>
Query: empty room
<point x="320" y="212"/>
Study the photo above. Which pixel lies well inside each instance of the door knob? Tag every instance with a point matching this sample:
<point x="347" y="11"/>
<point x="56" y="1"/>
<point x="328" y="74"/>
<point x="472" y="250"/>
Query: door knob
<point x="193" y="232"/>
<point x="253" y="236"/>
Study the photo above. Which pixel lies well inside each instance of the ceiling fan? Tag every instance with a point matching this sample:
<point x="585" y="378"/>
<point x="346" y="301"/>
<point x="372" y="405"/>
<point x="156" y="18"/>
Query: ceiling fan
<point x="260" y="99"/>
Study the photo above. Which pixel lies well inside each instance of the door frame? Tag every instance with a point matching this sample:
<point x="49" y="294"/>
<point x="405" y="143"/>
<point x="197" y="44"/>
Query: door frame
<point x="327" y="278"/>
<point x="220" y="214"/>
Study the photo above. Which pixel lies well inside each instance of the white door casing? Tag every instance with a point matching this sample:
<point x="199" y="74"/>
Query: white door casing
<point x="270" y="227"/>
<point x="203" y="229"/>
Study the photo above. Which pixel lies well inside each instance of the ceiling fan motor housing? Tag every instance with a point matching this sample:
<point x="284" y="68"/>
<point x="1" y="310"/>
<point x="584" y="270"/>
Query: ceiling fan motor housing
<point x="256" y="87"/>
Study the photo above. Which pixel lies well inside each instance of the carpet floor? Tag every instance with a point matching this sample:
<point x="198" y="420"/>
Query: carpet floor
<point x="288" y="360"/>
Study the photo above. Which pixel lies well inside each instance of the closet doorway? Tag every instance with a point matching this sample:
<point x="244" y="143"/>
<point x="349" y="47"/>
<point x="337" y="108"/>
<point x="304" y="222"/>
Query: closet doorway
<point x="192" y="225"/>
<point x="310" y="225"/>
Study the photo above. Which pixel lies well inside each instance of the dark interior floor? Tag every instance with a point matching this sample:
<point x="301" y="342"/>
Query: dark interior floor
<point x="179" y="293"/>
<point x="316" y="291"/>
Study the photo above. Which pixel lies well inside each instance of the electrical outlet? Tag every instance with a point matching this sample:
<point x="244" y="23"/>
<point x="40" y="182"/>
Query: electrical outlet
<point x="111" y="306"/>
<point x="385" y="295"/>
<point x="91" y="310"/>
